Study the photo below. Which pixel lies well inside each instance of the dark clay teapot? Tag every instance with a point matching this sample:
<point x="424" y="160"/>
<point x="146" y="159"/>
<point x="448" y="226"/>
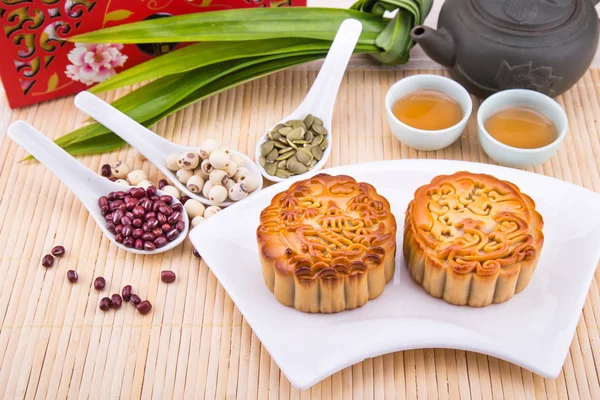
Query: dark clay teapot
<point x="492" y="45"/>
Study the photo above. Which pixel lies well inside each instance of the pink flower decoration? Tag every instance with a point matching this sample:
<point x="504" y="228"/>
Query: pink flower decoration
<point x="94" y="63"/>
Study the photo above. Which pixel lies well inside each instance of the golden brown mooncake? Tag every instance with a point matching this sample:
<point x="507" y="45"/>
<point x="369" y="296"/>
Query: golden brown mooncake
<point x="327" y="244"/>
<point x="472" y="239"/>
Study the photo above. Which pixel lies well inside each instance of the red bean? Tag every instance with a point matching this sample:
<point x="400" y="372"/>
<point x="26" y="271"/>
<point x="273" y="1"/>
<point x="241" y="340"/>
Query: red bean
<point x="116" y="301"/>
<point x="138" y="193"/>
<point x="151" y="191"/>
<point x="157" y="205"/>
<point x="131" y="203"/>
<point x="180" y="226"/>
<point x="167" y="276"/>
<point x="127" y="230"/>
<point x="138" y="211"/>
<point x="165" y="227"/>
<point x="157" y="232"/>
<point x="145" y="227"/>
<point x="137" y="222"/>
<point x="128" y="242"/>
<point x="172" y="235"/>
<point x="111" y="196"/>
<point x="48" y="261"/>
<point x="173" y="218"/>
<point x="139" y="244"/>
<point x="58" y="251"/>
<point x="99" y="283"/>
<point x="183" y="199"/>
<point x="152" y="223"/>
<point x="105" y="210"/>
<point x="135" y="299"/>
<point x="165" y="210"/>
<point x="117" y="215"/>
<point x="162" y="183"/>
<point x="144" y="307"/>
<point x="105" y="304"/>
<point x="148" y="236"/>
<point x="149" y="215"/>
<point x="119" y="228"/>
<point x="149" y="246"/>
<point x="119" y="238"/>
<point x="147" y="205"/>
<point x="126" y="292"/>
<point x="162" y="218"/>
<point x="111" y="228"/>
<point x="126" y="220"/>
<point x="160" y="241"/>
<point x="177" y="207"/>
<point x="103" y="201"/>
<point x="115" y="205"/>
<point x="119" y="194"/>
<point x="129" y="214"/>
<point x="166" y="199"/>
<point x="106" y="170"/>
<point x="137" y="233"/>
<point x="72" y="276"/>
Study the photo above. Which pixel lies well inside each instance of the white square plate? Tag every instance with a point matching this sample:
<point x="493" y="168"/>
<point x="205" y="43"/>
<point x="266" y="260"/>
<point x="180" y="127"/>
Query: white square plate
<point x="534" y="329"/>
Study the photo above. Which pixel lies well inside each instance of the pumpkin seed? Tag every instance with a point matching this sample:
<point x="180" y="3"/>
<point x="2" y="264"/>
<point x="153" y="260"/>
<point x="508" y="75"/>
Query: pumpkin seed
<point x="282" y="140"/>
<point x="288" y="123"/>
<point x="263" y="161"/>
<point x="304" y="156"/>
<point x="296" y="134"/>
<point x="292" y="144"/>
<point x="309" y="135"/>
<point x="317" y="152"/>
<point x="280" y="145"/>
<point x="319" y="129"/>
<point x="271" y="169"/>
<point x="285" y="131"/>
<point x="313" y="163"/>
<point x="318" y="121"/>
<point x="308" y="120"/>
<point x="282" y="164"/>
<point x="266" y="148"/>
<point x="291" y="160"/>
<point x="274" y="135"/>
<point x="285" y="156"/>
<point x="285" y="150"/>
<point x="282" y="173"/>
<point x="298" y="168"/>
<point x="272" y="156"/>
<point x="317" y="140"/>
<point x="299" y="124"/>
<point x="301" y="141"/>
<point x="324" y="144"/>
<point x="278" y="127"/>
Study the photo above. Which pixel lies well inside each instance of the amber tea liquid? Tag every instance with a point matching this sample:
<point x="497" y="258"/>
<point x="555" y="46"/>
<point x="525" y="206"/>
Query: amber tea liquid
<point x="429" y="110"/>
<point x="521" y="127"/>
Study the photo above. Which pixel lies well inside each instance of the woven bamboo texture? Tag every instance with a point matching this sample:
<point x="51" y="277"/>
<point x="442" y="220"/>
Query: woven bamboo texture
<point x="55" y="342"/>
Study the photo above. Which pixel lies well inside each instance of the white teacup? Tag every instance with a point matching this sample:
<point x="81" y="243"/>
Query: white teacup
<point x="513" y="156"/>
<point x="424" y="139"/>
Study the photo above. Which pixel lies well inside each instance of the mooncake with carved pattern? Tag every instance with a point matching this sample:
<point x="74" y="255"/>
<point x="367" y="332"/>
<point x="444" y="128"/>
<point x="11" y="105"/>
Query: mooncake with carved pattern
<point x="472" y="239"/>
<point x="327" y="244"/>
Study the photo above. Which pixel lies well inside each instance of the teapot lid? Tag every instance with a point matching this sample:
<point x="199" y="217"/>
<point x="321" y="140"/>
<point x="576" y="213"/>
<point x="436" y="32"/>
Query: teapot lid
<point x="526" y="15"/>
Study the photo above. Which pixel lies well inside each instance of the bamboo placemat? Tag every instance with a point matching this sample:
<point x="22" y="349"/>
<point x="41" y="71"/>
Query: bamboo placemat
<point x="55" y="342"/>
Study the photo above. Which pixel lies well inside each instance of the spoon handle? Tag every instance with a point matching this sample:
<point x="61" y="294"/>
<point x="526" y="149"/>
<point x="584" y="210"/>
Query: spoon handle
<point x="324" y="90"/>
<point x="152" y="146"/>
<point x="84" y="183"/>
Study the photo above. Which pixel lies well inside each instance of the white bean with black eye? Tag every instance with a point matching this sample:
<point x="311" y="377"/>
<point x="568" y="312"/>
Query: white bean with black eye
<point x="136" y="176"/>
<point x="183" y="175"/>
<point x="171" y="191"/>
<point x="197" y="220"/>
<point x="251" y="182"/>
<point x="219" y="177"/>
<point x="207" y="186"/>
<point x="172" y="162"/>
<point x="219" y="158"/>
<point x="194" y="208"/>
<point x="210" y="211"/>
<point x="188" y="160"/>
<point x="120" y="169"/>
<point x="241" y="174"/>
<point x="217" y="194"/>
<point x="195" y="184"/>
<point x="206" y="147"/>
<point x="238" y="192"/>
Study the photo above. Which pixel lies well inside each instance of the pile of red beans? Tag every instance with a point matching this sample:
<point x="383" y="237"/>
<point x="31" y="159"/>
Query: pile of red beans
<point x="142" y="219"/>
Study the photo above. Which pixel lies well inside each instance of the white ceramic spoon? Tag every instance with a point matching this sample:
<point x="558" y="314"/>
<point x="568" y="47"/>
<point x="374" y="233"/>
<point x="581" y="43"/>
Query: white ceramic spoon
<point x="155" y="148"/>
<point x="85" y="184"/>
<point x="320" y="100"/>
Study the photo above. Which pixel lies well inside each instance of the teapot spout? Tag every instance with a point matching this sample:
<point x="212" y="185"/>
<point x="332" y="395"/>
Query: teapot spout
<point x="438" y="45"/>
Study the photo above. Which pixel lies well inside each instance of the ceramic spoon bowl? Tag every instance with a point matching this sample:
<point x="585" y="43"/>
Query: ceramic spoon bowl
<point x="155" y="148"/>
<point x="320" y="100"/>
<point x="84" y="183"/>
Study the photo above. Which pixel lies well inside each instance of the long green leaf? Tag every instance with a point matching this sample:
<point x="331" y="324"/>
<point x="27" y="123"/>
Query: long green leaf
<point x="202" y="54"/>
<point x="235" y="25"/>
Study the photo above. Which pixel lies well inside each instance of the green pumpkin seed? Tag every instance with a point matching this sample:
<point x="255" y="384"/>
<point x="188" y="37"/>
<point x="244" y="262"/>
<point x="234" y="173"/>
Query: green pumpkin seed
<point x="298" y="168"/>
<point x="271" y="169"/>
<point x="290" y="160"/>
<point x="317" y="140"/>
<point x="319" y="129"/>
<point x="285" y="131"/>
<point x="272" y="156"/>
<point x="282" y="173"/>
<point x="282" y="140"/>
<point x="317" y="152"/>
<point x="301" y="141"/>
<point x="266" y="148"/>
<point x="278" y="127"/>
<point x="318" y="121"/>
<point x="282" y="164"/>
<point x="324" y="144"/>
<point x="263" y="161"/>
<point x="299" y="124"/>
<point x="308" y="120"/>
<point x="313" y="163"/>
<point x="285" y="150"/>
<point x="296" y="134"/>
<point x="304" y="156"/>
<point x="285" y="156"/>
<point x="280" y="145"/>
<point x="292" y="144"/>
<point x="274" y="135"/>
<point x="288" y="123"/>
<point x="309" y="135"/>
